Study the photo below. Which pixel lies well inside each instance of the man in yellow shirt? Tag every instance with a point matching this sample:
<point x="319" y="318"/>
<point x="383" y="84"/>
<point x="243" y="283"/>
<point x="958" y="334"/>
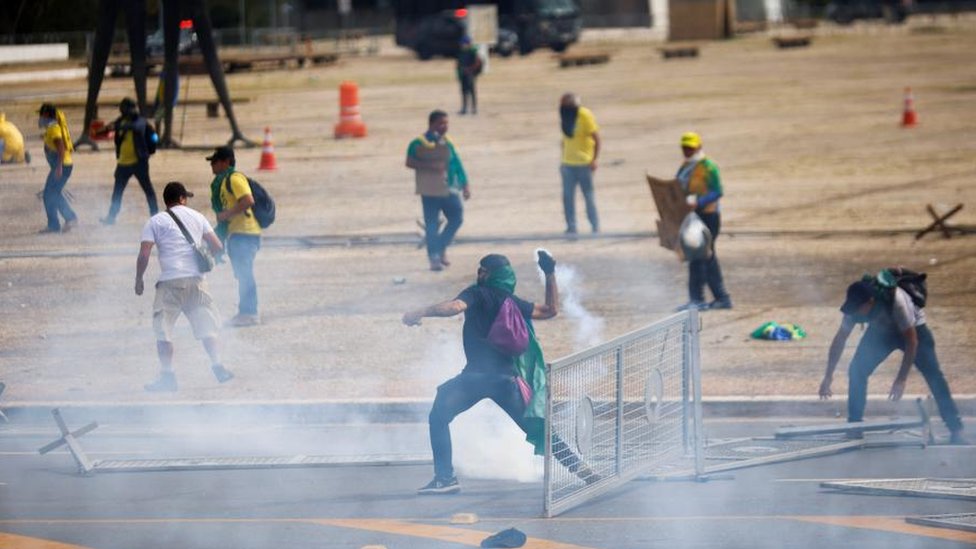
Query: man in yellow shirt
<point x="135" y="141"/>
<point x="231" y="198"/>
<point x="580" y="148"/>
<point x="57" y="151"/>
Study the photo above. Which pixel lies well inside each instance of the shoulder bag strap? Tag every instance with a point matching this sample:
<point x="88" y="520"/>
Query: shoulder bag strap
<point x="186" y="234"/>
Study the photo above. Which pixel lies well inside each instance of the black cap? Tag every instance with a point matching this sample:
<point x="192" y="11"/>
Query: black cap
<point x="222" y="153"/>
<point x="858" y="294"/>
<point x="174" y="191"/>
<point x="491" y="262"/>
<point x="48" y="109"/>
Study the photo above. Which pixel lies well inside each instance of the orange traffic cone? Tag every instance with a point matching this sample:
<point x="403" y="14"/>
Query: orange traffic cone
<point x="267" y="153"/>
<point x="909" y="118"/>
<point x="350" y="122"/>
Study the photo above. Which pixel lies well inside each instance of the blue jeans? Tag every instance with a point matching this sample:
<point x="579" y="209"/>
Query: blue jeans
<point x="582" y="176"/>
<point x="463" y="391"/>
<point x="707" y="271"/>
<point x="437" y="240"/>
<point x="242" y="248"/>
<point x="874" y="347"/>
<point x="54" y="200"/>
<point x="122" y="176"/>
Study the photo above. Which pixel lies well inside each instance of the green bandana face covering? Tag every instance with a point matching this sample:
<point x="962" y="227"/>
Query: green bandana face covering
<point x="502" y="278"/>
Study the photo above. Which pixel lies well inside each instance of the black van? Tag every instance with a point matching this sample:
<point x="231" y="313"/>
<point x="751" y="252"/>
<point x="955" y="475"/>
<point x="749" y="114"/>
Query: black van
<point x="435" y="27"/>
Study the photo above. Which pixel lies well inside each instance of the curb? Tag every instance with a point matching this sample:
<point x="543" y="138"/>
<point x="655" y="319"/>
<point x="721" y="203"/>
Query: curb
<point x="413" y="410"/>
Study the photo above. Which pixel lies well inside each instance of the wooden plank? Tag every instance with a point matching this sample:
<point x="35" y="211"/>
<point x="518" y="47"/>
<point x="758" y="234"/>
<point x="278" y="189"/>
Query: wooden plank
<point x="577" y="59"/>
<point x="672" y="52"/>
<point x="76" y="103"/>
<point x="939" y="222"/>
<point x="792" y="42"/>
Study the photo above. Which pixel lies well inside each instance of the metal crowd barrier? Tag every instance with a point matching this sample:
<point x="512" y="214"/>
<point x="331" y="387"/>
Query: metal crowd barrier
<point x="626" y="408"/>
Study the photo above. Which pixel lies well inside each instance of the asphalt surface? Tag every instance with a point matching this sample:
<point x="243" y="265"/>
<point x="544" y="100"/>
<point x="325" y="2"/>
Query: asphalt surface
<point x="45" y="503"/>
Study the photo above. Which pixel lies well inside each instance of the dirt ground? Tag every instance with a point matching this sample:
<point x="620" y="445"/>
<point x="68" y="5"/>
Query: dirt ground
<point x="821" y="183"/>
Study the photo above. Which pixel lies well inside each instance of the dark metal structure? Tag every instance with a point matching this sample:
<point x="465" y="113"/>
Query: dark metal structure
<point x="135" y="21"/>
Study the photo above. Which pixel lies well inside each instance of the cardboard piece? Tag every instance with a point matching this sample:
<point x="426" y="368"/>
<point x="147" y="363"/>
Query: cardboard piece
<point x="671" y="208"/>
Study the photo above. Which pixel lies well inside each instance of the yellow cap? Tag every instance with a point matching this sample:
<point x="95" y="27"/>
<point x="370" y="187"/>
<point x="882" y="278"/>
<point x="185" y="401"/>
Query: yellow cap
<point x="690" y="139"/>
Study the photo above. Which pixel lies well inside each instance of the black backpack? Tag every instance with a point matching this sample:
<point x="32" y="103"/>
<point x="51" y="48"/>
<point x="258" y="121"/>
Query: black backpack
<point x="911" y="282"/>
<point x="264" y="205"/>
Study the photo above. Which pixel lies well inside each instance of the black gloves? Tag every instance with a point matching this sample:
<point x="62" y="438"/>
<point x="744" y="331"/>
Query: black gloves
<point x="546" y="262"/>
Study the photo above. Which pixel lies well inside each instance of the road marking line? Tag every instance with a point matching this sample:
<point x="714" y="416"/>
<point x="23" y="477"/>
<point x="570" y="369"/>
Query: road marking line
<point x="888" y="524"/>
<point x="441" y="533"/>
<point x="13" y="541"/>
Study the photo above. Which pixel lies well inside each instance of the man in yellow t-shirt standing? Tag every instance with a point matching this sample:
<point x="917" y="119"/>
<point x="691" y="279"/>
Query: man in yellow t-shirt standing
<point x="135" y="141"/>
<point x="57" y="152"/>
<point x="232" y="200"/>
<point x="580" y="148"/>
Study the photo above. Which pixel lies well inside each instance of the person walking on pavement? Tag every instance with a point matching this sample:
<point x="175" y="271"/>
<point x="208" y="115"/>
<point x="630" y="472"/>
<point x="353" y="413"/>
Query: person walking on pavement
<point x="894" y="322"/>
<point x="231" y="198"/>
<point x="469" y="66"/>
<point x="580" y="149"/>
<point x="699" y="179"/>
<point x="490" y="373"/>
<point x="440" y="181"/>
<point x="182" y="288"/>
<point x="135" y="141"/>
<point x="57" y="151"/>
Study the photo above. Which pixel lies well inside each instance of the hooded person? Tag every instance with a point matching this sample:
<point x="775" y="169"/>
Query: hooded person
<point x="517" y="384"/>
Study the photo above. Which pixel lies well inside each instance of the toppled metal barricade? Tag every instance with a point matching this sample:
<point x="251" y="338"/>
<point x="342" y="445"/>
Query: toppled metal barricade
<point x="87" y="466"/>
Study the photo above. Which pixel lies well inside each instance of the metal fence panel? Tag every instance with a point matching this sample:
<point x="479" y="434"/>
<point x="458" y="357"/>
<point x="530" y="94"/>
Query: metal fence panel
<point x="628" y="407"/>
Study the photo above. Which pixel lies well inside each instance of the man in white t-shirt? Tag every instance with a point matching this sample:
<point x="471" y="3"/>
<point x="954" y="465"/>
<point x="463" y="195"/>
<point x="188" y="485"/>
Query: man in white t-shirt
<point x="181" y="287"/>
<point x="894" y="322"/>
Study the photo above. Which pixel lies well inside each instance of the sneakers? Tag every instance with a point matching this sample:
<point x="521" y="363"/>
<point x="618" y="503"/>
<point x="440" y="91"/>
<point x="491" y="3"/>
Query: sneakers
<point x="106" y="220"/>
<point x="724" y="303"/>
<point x="242" y="321"/>
<point x="436" y="264"/>
<point x="444" y="260"/>
<point x="438" y="487"/>
<point x="222" y="374"/>
<point x="956" y="438"/>
<point x="68" y="225"/>
<point x="49" y="230"/>
<point x="166" y="382"/>
<point x="698" y="305"/>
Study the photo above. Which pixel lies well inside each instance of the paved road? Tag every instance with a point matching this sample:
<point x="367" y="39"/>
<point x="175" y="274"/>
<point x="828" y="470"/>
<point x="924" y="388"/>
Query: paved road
<point x="44" y="504"/>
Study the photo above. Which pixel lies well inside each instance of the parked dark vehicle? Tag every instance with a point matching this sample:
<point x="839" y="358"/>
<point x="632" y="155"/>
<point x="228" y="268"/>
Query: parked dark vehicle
<point x="432" y="27"/>
<point x="187" y="44"/>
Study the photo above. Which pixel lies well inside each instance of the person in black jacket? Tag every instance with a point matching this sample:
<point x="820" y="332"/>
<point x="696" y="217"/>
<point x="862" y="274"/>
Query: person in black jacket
<point x="135" y="141"/>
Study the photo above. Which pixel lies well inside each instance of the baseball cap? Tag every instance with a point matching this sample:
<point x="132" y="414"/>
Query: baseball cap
<point x="174" y="191"/>
<point x="47" y="108"/>
<point x="690" y="139"/>
<point x="858" y="294"/>
<point x="222" y="153"/>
